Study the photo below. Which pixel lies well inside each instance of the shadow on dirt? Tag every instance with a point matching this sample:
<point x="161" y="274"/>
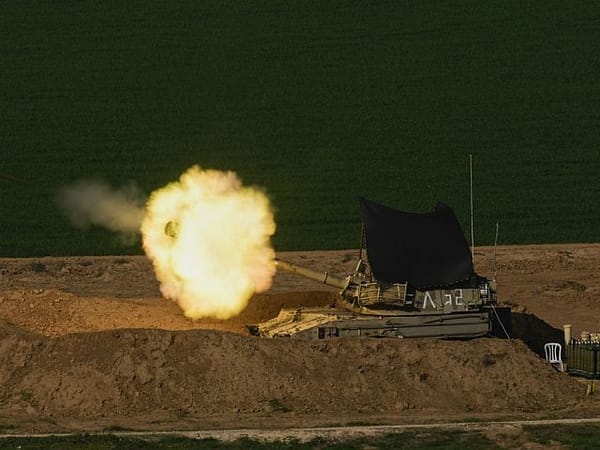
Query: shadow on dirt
<point x="534" y="331"/>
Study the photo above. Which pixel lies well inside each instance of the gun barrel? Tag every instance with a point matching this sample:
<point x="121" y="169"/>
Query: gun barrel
<point x="321" y="277"/>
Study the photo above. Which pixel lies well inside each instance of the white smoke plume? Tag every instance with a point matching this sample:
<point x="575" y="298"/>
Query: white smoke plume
<point x="94" y="202"/>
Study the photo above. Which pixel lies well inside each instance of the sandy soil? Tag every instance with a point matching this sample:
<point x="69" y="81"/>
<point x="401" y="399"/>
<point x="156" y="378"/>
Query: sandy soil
<point x="87" y="343"/>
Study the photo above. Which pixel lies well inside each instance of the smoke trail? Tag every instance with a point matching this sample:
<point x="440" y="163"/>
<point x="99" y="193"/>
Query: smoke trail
<point x="93" y="202"/>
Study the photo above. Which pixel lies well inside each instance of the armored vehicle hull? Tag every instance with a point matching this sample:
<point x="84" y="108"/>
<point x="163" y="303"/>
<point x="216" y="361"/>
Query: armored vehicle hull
<point x="325" y="323"/>
<point x="419" y="283"/>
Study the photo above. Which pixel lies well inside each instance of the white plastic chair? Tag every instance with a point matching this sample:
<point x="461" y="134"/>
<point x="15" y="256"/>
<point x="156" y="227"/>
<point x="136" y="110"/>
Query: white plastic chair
<point x="553" y="352"/>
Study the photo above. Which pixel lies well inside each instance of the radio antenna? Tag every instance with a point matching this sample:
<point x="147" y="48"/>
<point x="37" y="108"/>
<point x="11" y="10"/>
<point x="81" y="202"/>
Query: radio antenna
<point x="495" y="245"/>
<point x="471" y="195"/>
<point x="362" y="240"/>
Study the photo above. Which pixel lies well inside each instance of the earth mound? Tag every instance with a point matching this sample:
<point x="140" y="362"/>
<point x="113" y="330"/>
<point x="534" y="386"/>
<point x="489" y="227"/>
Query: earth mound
<point x="126" y="372"/>
<point x="88" y="343"/>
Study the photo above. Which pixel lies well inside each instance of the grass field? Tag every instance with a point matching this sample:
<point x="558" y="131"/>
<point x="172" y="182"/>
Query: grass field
<point x="317" y="102"/>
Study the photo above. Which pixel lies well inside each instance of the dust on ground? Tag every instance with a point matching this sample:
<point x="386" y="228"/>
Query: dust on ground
<point x="88" y="344"/>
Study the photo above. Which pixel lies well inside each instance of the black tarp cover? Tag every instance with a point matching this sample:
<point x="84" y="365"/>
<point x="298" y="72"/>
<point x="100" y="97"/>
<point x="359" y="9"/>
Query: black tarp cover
<point x="425" y="250"/>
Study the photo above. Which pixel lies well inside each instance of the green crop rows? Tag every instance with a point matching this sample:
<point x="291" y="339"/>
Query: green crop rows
<point x="316" y="102"/>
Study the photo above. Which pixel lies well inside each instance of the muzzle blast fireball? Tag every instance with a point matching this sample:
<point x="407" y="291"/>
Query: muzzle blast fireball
<point x="207" y="235"/>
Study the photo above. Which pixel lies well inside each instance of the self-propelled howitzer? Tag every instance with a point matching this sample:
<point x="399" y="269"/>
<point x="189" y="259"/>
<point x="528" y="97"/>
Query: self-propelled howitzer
<point x="407" y="302"/>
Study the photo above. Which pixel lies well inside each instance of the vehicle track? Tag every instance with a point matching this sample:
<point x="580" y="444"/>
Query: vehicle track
<point x="327" y="433"/>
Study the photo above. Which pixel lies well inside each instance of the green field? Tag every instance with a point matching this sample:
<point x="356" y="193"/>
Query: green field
<point x="317" y="102"/>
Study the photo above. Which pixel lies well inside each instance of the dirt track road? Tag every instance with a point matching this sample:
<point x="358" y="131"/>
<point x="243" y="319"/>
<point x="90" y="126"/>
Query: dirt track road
<point x="329" y="433"/>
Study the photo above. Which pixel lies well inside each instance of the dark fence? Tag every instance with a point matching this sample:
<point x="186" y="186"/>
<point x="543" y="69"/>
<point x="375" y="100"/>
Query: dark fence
<point x="582" y="358"/>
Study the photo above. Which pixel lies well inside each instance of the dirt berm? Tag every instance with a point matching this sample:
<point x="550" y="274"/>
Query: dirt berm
<point x="88" y="344"/>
